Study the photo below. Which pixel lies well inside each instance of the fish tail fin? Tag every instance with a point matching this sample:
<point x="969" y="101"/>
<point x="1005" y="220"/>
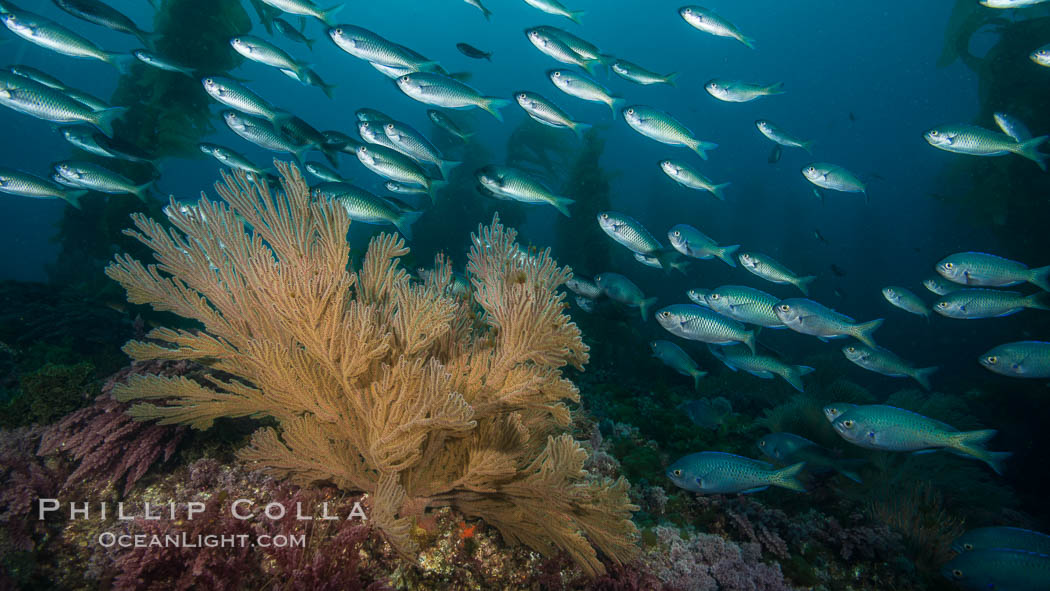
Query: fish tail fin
<point x="923" y="376"/>
<point x="121" y="61"/>
<point x="104" y="119"/>
<point x="1036" y="301"/>
<point x="1040" y="277"/>
<point x="486" y="12"/>
<point x="446" y="166"/>
<point x="701" y="147"/>
<point x="793" y="375"/>
<point x="972" y="443"/>
<point x="493" y="105"/>
<point x="1030" y="149"/>
<point x="727" y="254"/>
<point x="862" y="332"/>
<point x="433" y="186"/>
<point x="803" y="283"/>
<point x="848" y="468"/>
<point x="775" y="88"/>
<point x="807" y="146"/>
<point x="593" y="66"/>
<point x="670" y="79"/>
<point x="404" y="222"/>
<point x="718" y="191"/>
<point x="326" y="88"/>
<point x="580" y="128"/>
<point x="461" y="76"/>
<point x="616" y="103"/>
<point x="562" y="205"/>
<point x="73" y="198"/>
<point x="680" y="265"/>
<point x="750" y="42"/>
<point x="750" y="341"/>
<point x="142" y="191"/>
<point x="697" y="374"/>
<point x="327" y="14"/>
<point x="788" y="477"/>
<point x="643" y="307"/>
<point x="576" y="15"/>
<point x="309" y="43"/>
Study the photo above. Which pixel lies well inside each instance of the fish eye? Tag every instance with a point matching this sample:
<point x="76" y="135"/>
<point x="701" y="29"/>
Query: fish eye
<point x="405" y="78"/>
<point x="957" y="573"/>
<point x="848" y="423"/>
<point x="665" y="314"/>
<point x="339" y="31"/>
<point x="810" y="169"/>
<point x="677" y="233"/>
<point x="714" y="296"/>
<point x="677" y="472"/>
<point x="630" y="111"/>
<point x="992" y="359"/>
<point x="390" y="126"/>
<point x="761" y="443"/>
<point x="966" y="547"/>
<point x="522" y="96"/>
<point x="851" y="349"/>
<point x="784" y="307"/>
<point x="557" y="74"/>
<point x="949" y="265"/>
<point x="942" y="305"/>
<point x="934" y="133"/>
<point x="605" y="216"/>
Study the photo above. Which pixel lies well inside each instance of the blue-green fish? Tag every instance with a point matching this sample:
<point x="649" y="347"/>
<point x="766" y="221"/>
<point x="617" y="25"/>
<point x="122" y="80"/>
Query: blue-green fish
<point x="888" y="363"/>
<point x="584" y="88"/>
<point x="16" y="182"/>
<point x="230" y="158"/>
<point x="939" y="286"/>
<point x="546" y="112"/>
<point x="888" y="428"/>
<point x="622" y="290"/>
<point x="761" y="366"/>
<point x="698" y="296"/>
<point x="714" y="472"/>
<point x="696" y="323"/>
<point x="557" y="9"/>
<point x="43" y="102"/>
<point x="657" y="125"/>
<point x="746" y="304"/>
<point x="834" y="178"/>
<point x="772" y="270"/>
<point x="781" y="137"/>
<point x="1023" y="359"/>
<point x="709" y="22"/>
<point x="1041" y="56"/>
<point x="365" y="207"/>
<point x="1010" y="538"/>
<point x="694" y="243"/>
<point x="639" y="75"/>
<point x="50" y="35"/>
<point x="90" y="176"/>
<point x="999" y="570"/>
<point x="708" y="413"/>
<point x="689" y="177"/>
<point x="978" y="141"/>
<point x="989" y="270"/>
<point x="631" y="233"/>
<point x="988" y="303"/>
<point x="305" y="8"/>
<point x="735" y="91"/>
<point x="674" y="357"/>
<point x="813" y="318"/>
<point x="788" y="448"/>
<point x="837" y="409"/>
<point x="906" y="300"/>
<point x="510" y="183"/>
<point x="442" y="91"/>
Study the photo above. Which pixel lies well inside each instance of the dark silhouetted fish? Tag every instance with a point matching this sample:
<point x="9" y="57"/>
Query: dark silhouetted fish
<point x="473" y="52"/>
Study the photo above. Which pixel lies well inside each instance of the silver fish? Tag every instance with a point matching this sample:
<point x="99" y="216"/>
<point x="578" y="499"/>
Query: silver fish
<point x="989" y="270"/>
<point x="261" y="133"/>
<point x="694" y="243"/>
<point x="95" y="142"/>
<point x="237" y="96"/>
<point x="554" y="47"/>
<point x="639" y="75"/>
<point x="399" y="188"/>
<point x="477" y="4"/>
<point x="687" y="176"/>
<point x="978" y="141"/>
<point x="735" y="91"/>
<point x="1023" y="359"/>
<point x="833" y="177"/>
<point x="584" y="288"/>
<point x="546" y="112"/>
<point x="696" y="323"/>
<point x="812" y="318"/>
<point x="35" y="99"/>
<point x="264" y="52"/>
<point x="15" y="182"/>
<point x="582" y="47"/>
<point x="50" y="35"/>
<point x="413" y="144"/>
<point x="162" y="63"/>
<point x="372" y="47"/>
<point x="445" y="122"/>
<point x="772" y="270"/>
<point x="778" y="135"/>
<point x="987" y="303"/>
<point x="324" y="173"/>
<point x="698" y="296"/>
<point x="395" y="166"/>
<point x="305" y="8"/>
<point x="906" y="300"/>
<point x="709" y="22"/>
<point x="761" y="366"/>
<point x="584" y="88"/>
<point x="1041" y="56"/>
<point x="285" y="28"/>
<point x="230" y="158"/>
<point x="664" y="128"/>
<point x="1012" y="127"/>
<point x="100" y="13"/>
<point x="88" y="175"/>
<point x="745" y="304"/>
<point x="939" y="286"/>
<point x="557" y="9"/>
<point x="365" y="207"/>
<point x="511" y="183"/>
<point x="630" y="233"/>
<point x="888" y="363"/>
<point x="442" y="91"/>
